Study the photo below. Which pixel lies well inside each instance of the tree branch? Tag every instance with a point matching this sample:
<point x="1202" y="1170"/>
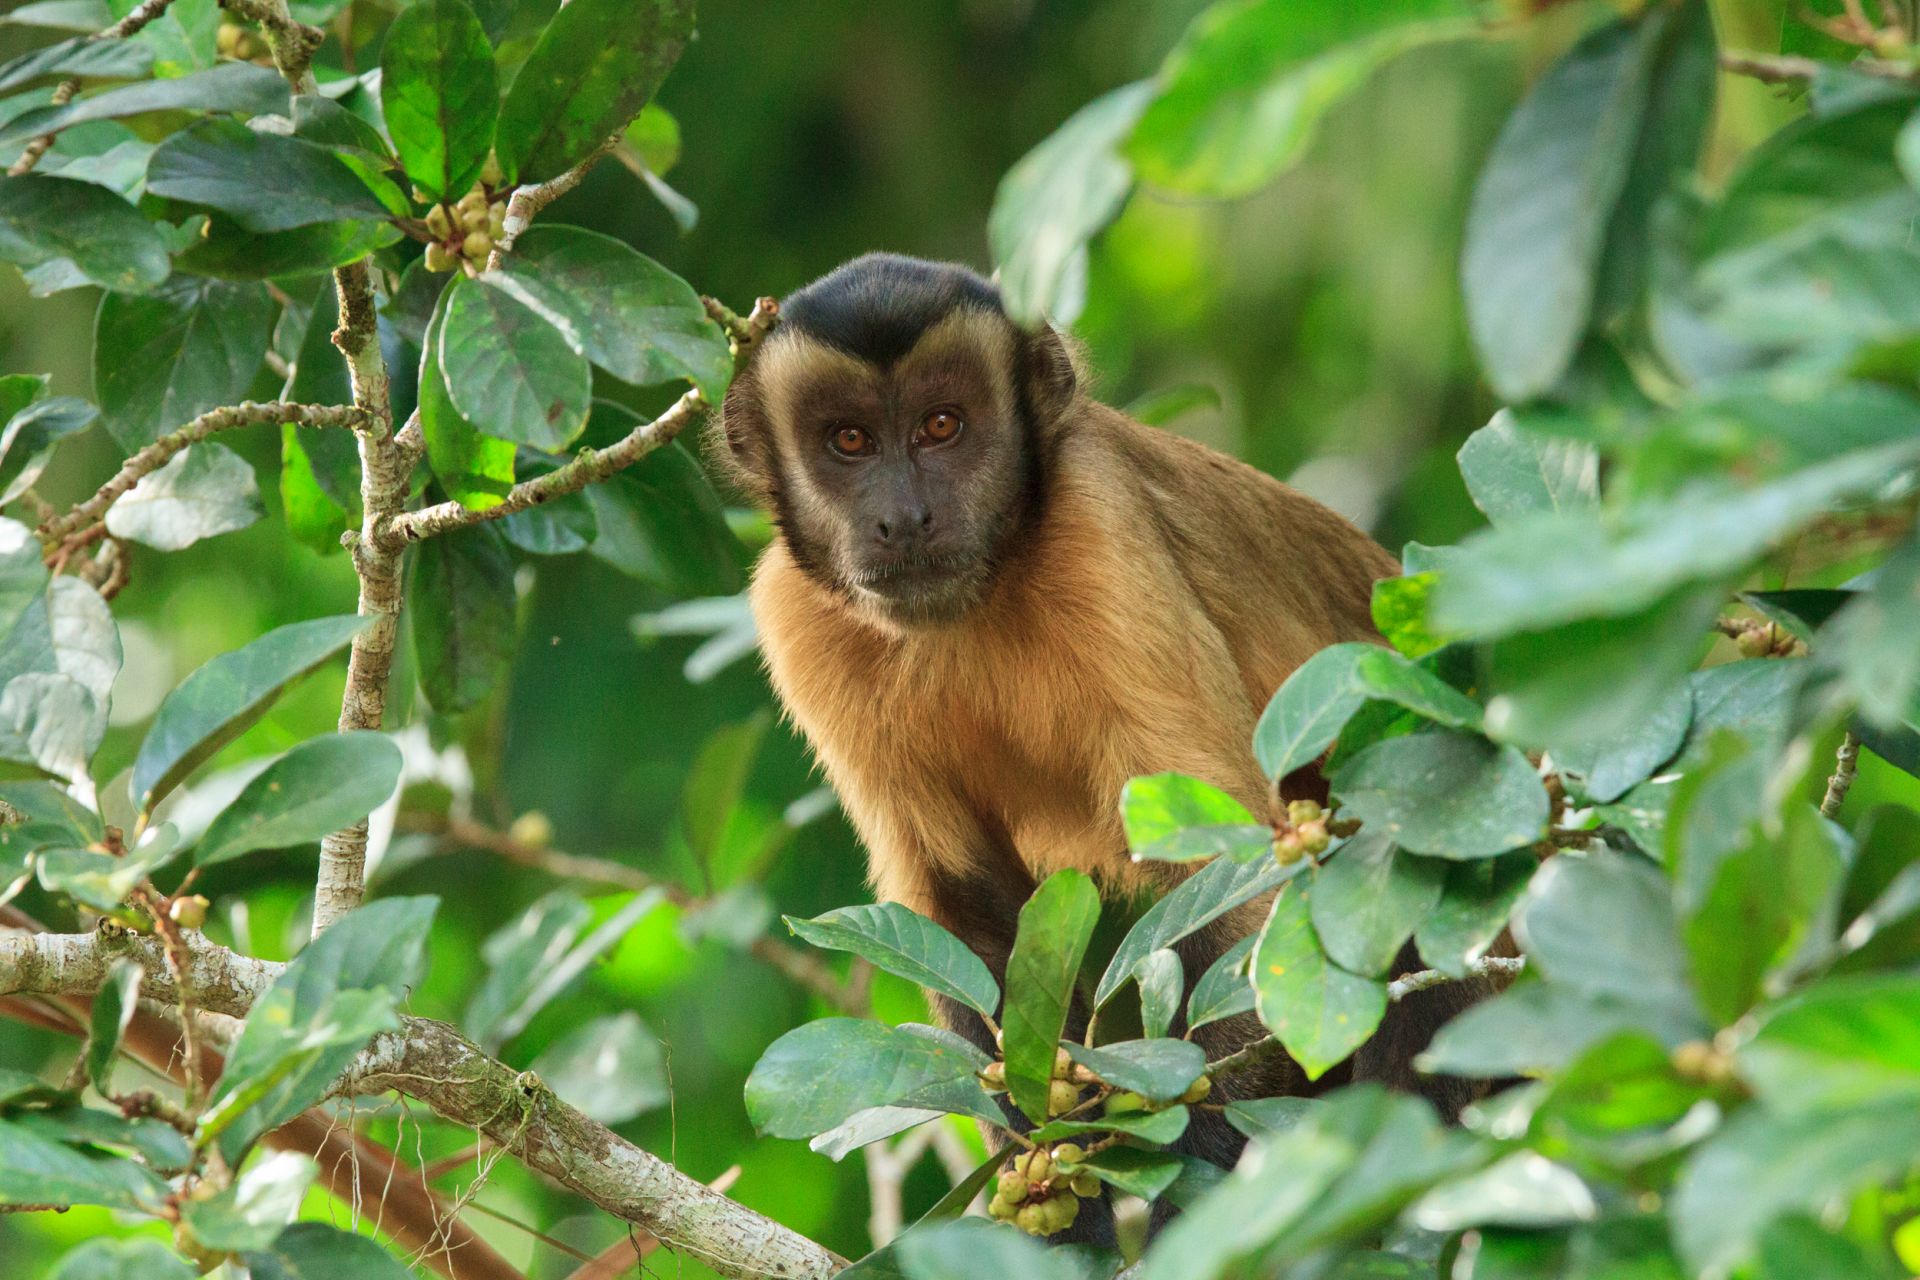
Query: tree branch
<point x="291" y="43"/>
<point x="434" y="1063"/>
<point x="590" y="467"/>
<point x="525" y="204"/>
<point x="57" y="529"/>
<point x="64" y="91"/>
<point x="1846" y="763"/>
<point x="1783" y="68"/>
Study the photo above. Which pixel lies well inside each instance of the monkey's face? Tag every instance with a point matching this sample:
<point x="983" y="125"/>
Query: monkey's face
<point x="898" y="484"/>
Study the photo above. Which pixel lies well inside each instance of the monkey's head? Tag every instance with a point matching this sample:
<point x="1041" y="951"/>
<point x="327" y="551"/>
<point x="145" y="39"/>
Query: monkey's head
<point x="897" y="424"/>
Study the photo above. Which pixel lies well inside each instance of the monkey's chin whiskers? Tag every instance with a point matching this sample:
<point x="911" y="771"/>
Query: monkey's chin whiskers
<point x="919" y="588"/>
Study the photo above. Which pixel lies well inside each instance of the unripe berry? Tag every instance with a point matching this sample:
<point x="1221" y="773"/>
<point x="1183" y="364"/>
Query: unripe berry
<point x="497" y="221"/>
<point x="490" y="172"/>
<point x="1032" y="1219"/>
<point x="1062" y="1208"/>
<point x="1062" y="1062"/>
<point x="1198" y="1090"/>
<point x="1299" y="811"/>
<point x="1313" y="836"/>
<point x="994" y="1077"/>
<point x="475" y="201"/>
<point x="1085" y="1184"/>
<point x="438" y="222"/>
<point x="189" y="912"/>
<point x="532" y="827"/>
<point x="1001" y="1209"/>
<point x="438" y="259"/>
<point x="1066" y="1154"/>
<point x="1289" y="848"/>
<point x="1754" y="643"/>
<point x="1039" y="1165"/>
<point x="477" y="245"/>
<point x="1013" y="1187"/>
<point x="1062" y="1097"/>
<point x="1125" y="1101"/>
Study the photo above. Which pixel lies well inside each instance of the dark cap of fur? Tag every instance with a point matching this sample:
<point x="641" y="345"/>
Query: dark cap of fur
<point x="877" y="306"/>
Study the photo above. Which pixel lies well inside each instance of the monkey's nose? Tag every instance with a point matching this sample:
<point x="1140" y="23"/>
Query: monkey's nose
<point x="907" y="528"/>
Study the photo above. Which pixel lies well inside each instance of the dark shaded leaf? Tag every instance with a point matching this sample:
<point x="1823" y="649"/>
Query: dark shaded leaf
<point x="1448" y="794"/>
<point x="461" y="609"/>
<point x="910" y="945"/>
<point x="263" y="181"/>
<point x="231" y="86"/>
<point x="164" y="359"/>
<point x="63" y="233"/>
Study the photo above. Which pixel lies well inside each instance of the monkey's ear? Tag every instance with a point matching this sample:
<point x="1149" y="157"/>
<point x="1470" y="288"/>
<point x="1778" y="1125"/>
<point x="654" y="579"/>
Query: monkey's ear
<point x="1052" y="372"/>
<point x="739" y="438"/>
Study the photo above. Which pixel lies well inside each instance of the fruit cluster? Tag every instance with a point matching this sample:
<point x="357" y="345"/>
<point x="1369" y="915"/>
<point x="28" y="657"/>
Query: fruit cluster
<point x="1041" y="1189"/>
<point x="1062" y="1095"/>
<point x="238" y="42"/>
<point x="465" y="232"/>
<point x="1302" y="835"/>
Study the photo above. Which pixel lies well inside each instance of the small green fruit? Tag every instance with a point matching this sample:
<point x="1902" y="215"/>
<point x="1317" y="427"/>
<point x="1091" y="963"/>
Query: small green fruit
<point x="438" y="259"/>
<point x="1198" y="1090"/>
<point x="1125" y="1101"/>
<point x="1085" y="1184"/>
<point x="1062" y="1097"/>
<point x="1013" y="1187"/>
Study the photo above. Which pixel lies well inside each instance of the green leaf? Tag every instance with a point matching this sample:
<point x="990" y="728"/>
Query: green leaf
<point x="62" y="15"/>
<point x="63" y="233"/>
<point x="316" y="1251"/>
<point x="231" y="86"/>
<point x="316" y="1018"/>
<point x="1242" y="95"/>
<point x="163" y="359"/>
<point x="80" y="56"/>
<point x="1522" y="1190"/>
<point x="1308" y="711"/>
<point x="322" y="120"/>
<point x="557" y="527"/>
<point x="508" y="371"/>
<point x="1536" y="1028"/>
<point x="23" y="575"/>
<point x="907" y="944"/>
<point x="251" y="1213"/>
<point x="114" y="1005"/>
<point x="460" y="604"/>
<point x="203" y="491"/>
<point x="822" y="1072"/>
<point x="594" y="67"/>
<point x="227" y="251"/>
<point x="1616" y="1106"/>
<point x="1170" y="817"/>
<point x="1538" y="225"/>
<point x="1200" y="899"/>
<point x="1319" y="1011"/>
<point x="184" y="39"/>
<point x="136" y="1259"/>
<point x="717" y="782"/>
<point x="1842" y="1043"/>
<point x="1138" y="1173"/>
<point x="1158" y="1070"/>
<point x="863" y="1128"/>
<point x="1400" y="613"/>
<point x="1367" y="900"/>
<point x="26" y="445"/>
<point x="1163" y="982"/>
<point x="1514" y="472"/>
<point x="439" y="95"/>
<point x="1474" y="906"/>
<point x="970" y="1249"/>
<point x="1055" y="927"/>
<point x="322" y="785"/>
<point x="1160" y="1127"/>
<point x="38" y="1170"/>
<point x="621" y="310"/>
<point x="1870" y="643"/>
<point x="103" y="881"/>
<point x="1604" y="924"/>
<point x="611" y="1068"/>
<point x="1607" y="768"/>
<point x="540" y="956"/>
<point x="1798" y="1248"/>
<point x="475" y="470"/>
<point x="660" y="521"/>
<point x="263" y="181"/>
<point x="58" y="665"/>
<point x="1223" y="990"/>
<point x="1258" y="1117"/>
<point x="1056" y="198"/>
<point x="1448" y="794"/>
<point x="224" y="696"/>
<point x="1762" y="1164"/>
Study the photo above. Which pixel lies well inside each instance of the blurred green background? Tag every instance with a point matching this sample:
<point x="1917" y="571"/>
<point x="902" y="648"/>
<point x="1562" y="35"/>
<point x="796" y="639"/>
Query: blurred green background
<point x="1324" y="312"/>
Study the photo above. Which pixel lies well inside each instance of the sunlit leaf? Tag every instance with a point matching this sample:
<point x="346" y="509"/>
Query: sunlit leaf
<point x="822" y="1072"/>
<point x="1319" y="1011"/>
<point x="320" y="786"/>
<point x="910" y="945"/>
<point x="1055" y="927"/>
<point x="439" y="95"/>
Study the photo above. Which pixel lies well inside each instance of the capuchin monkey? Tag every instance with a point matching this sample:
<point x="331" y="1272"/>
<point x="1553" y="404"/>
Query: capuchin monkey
<point x="992" y="600"/>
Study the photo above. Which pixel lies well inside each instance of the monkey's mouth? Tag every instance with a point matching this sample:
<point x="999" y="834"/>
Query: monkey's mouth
<point x="920" y="587"/>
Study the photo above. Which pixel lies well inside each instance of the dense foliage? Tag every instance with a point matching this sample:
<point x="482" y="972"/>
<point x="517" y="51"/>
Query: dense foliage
<point x="1621" y="722"/>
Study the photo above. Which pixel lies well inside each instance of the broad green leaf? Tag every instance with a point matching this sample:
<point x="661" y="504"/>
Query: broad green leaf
<point x="1608" y="768"/>
<point x="970" y="1249"/>
<point x="141" y="1258"/>
<point x="1200" y="899"/>
<point x="1223" y="990"/>
<point x="592" y="71"/>
<point x="101" y="880"/>
<point x="1762" y="1164"/>
<point x="508" y="371"/>
<point x="263" y="181"/>
<point x="1162" y="980"/>
<point x="1473" y="909"/>
<point x="228" y="251"/>
<point x="661" y="521"/>
<point x="113" y="1008"/>
<point x="1511" y="471"/>
<point x="231" y="86"/>
<point x="1400" y="613"/>
<point x="1307" y="712"/>
<point x="863" y="1128"/>
<point x="23" y="575"/>
<point x="460" y="606"/>
<point x="1170" y="817"/>
<point x="322" y="785"/>
<point x="1443" y="793"/>
<point x="475" y="470"/>
<point x="611" y="1068"/>
<point x="1258" y="1117"/>
<point x="1385" y="675"/>
<point x="58" y="665"/>
<point x="1158" y="1070"/>
<point x="218" y="702"/>
<point x="621" y="310"/>
<point x="62" y="233"/>
<point x="1538" y="224"/>
<point x="1871" y="643"/>
<point x="1548" y="569"/>
<point x="26" y="445"/>
<point x="1537" y="1028"/>
<point x="1604" y="924"/>
<point x="822" y="1072"/>
<point x="1138" y="1173"/>
<point x="62" y="15"/>
<point x="320" y="119"/>
<point x="203" y="491"/>
<point x="1242" y="95"/>
<point x="184" y="39"/>
<point x="1056" y="198"/>
<point x="1524" y="1189"/>
<point x="251" y="1213"/>
<point x="1161" y="1127"/>
<point x="164" y="359"/>
<point x="439" y="94"/>
<point x="80" y="56"/>
<point x="316" y="1017"/>
<point x="1843" y="1043"/>
<point x="910" y="945"/>
<point x="157" y="1143"/>
<point x="1796" y="1247"/>
<point x="1319" y="1011"/>
<point x="1055" y="926"/>
<point x="316" y="1251"/>
<point x="37" y="1170"/>
<point x="1368" y="898"/>
<point x="1616" y="1106"/>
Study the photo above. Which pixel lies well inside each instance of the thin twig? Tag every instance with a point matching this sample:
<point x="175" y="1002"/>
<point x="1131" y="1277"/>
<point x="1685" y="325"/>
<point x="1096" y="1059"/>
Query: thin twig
<point x="1846" y="764"/>
<point x="55" y="531"/>
<point x="525" y="204"/>
<point x="64" y="91"/>
<point x="590" y="467"/>
<point x="1785" y="68"/>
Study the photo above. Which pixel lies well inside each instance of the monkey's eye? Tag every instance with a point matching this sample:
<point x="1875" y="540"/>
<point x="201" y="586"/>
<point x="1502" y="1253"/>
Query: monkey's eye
<point x="940" y="426"/>
<point x="849" y="441"/>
